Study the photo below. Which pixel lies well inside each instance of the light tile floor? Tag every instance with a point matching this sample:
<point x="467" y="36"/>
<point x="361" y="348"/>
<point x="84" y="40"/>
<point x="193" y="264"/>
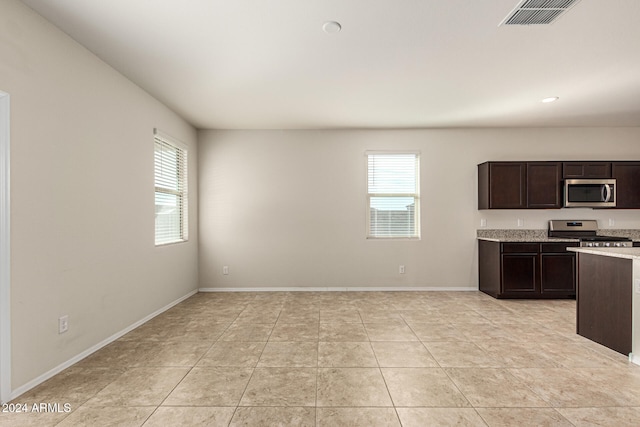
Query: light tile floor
<point x="347" y="359"/>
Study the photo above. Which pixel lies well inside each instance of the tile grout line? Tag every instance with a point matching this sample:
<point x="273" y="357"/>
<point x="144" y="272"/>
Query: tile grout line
<point x="255" y="367"/>
<point x="192" y="367"/>
<point x="393" y="404"/>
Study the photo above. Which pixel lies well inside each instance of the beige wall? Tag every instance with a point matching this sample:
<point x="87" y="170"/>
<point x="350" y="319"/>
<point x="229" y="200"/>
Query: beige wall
<point x="82" y="203"/>
<point x="288" y="209"/>
<point x="281" y="209"/>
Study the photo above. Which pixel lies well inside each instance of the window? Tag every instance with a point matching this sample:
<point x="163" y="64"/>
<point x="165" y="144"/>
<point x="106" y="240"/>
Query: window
<point x="171" y="189"/>
<point x="393" y="196"/>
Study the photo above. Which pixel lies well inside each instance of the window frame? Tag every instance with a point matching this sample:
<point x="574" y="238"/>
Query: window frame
<point x="181" y="193"/>
<point x="415" y="196"/>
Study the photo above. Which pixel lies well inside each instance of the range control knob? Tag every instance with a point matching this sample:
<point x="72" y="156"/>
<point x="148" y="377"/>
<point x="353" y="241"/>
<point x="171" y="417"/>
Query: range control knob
<point x="589" y="244"/>
<point x="617" y="244"/>
<point x="607" y="244"/>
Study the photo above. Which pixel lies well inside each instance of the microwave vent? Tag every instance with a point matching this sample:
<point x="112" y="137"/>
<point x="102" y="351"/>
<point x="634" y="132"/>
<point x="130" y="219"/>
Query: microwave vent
<point x="538" y="12"/>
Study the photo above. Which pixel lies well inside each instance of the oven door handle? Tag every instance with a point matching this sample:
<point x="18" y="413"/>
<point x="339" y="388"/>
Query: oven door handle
<point x="607" y="188"/>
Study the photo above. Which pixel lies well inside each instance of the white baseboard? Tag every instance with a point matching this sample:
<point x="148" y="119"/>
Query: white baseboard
<point x="634" y="358"/>
<point x="341" y="289"/>
<point x="42" y="378"/>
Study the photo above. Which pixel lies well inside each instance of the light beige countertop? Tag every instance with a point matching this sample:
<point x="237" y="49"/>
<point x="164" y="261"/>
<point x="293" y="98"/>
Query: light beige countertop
<point x="542" y="235"/>
<point x="630" y="233"/>
<point x="628" y="253"/>
<point x="519" y="236"/>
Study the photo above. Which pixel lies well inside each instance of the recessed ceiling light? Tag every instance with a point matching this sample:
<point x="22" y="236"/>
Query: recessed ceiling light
<point x="550" y="99"/>
<point x="331" y="27"/>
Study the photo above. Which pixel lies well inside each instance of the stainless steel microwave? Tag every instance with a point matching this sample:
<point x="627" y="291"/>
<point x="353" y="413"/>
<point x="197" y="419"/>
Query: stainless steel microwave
<point x="589" y="193"/>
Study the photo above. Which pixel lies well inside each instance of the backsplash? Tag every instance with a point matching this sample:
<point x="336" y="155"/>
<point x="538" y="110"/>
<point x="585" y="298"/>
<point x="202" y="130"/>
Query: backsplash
<point x="533" y="219"/>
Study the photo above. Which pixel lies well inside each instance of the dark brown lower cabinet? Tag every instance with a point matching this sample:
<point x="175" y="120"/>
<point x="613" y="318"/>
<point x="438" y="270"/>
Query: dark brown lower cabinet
<point x="519" y="268"/>
<point x="605" y="295"/>
<point x="527" y="270"/>
<point x="557" y="269"/>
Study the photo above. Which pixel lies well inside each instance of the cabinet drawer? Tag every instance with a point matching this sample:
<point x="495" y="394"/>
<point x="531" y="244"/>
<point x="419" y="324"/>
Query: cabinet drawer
<point x="520" y="248"/>
<point x="586" y="170"/>
<point x="558" y="247"/>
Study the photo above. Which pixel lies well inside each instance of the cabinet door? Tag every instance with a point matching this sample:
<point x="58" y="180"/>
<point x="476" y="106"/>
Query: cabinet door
<point x="489" y="267"/>
<point x="543" y="185"/>
<point x="519" y="273"/>
<point x="586" y="170"/>
<point x="558" y="273"/>
<point x="627" y="175"/>
<point x="507" y="185"/>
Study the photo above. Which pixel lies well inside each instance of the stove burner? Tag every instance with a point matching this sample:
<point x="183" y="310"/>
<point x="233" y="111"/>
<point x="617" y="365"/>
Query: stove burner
<point x="586" y="232"/>
<point x="604" y="239"/>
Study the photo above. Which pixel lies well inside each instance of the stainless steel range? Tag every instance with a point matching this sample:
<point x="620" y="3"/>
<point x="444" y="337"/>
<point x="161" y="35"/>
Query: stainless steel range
<point x="587" y="232"/>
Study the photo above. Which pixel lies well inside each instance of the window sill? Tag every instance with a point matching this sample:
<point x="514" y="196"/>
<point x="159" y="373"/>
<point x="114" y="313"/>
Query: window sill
<point x="177" y="242"/>
<point x="393" y="238"/>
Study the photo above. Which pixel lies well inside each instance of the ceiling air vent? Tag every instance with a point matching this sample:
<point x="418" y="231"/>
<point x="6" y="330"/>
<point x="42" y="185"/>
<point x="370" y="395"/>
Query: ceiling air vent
<point x="538" y="12"/>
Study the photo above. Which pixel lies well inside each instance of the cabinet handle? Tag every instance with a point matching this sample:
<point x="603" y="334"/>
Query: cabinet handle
<point x="606" y="188"/>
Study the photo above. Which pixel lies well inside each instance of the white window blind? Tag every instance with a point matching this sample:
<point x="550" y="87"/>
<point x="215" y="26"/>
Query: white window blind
<point x="393" y="195"/>
<point x="170" y="190"/>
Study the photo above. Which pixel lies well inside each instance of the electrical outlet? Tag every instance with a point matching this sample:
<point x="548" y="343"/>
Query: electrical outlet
<point x="401" y="269"/>
<point x="483" y="222"/>
<point x="63" y="324"/>
<point x="520" y="222"/>
<point x="612" y="222"/>
<point x="225" y="270"/>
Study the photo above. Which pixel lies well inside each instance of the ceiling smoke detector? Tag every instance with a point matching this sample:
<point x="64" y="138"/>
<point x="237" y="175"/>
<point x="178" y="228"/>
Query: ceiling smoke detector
<point x="538" y="12"/>
<point x="331" y="27"/>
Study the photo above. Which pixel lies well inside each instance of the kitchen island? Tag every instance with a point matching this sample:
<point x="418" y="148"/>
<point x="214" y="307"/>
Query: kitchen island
<point x="608" y="298"/>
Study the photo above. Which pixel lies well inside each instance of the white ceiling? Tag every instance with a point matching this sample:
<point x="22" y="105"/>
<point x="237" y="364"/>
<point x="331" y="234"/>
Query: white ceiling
<point x="257" y="64"/>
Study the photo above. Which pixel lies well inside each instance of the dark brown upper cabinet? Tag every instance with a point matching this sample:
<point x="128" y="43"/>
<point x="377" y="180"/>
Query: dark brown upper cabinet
<point x="502" y="185"/>
<point x="519" y="185"/>
<point x="539" y="185"/>
<point x="586" y="170"/>
<point x="544" y="184"/>
<point x="627" y="176"/>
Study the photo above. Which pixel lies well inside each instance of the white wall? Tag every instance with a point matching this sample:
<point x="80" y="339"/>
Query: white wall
<point x="288" y="209"/>
<point x="82" y="200"/>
